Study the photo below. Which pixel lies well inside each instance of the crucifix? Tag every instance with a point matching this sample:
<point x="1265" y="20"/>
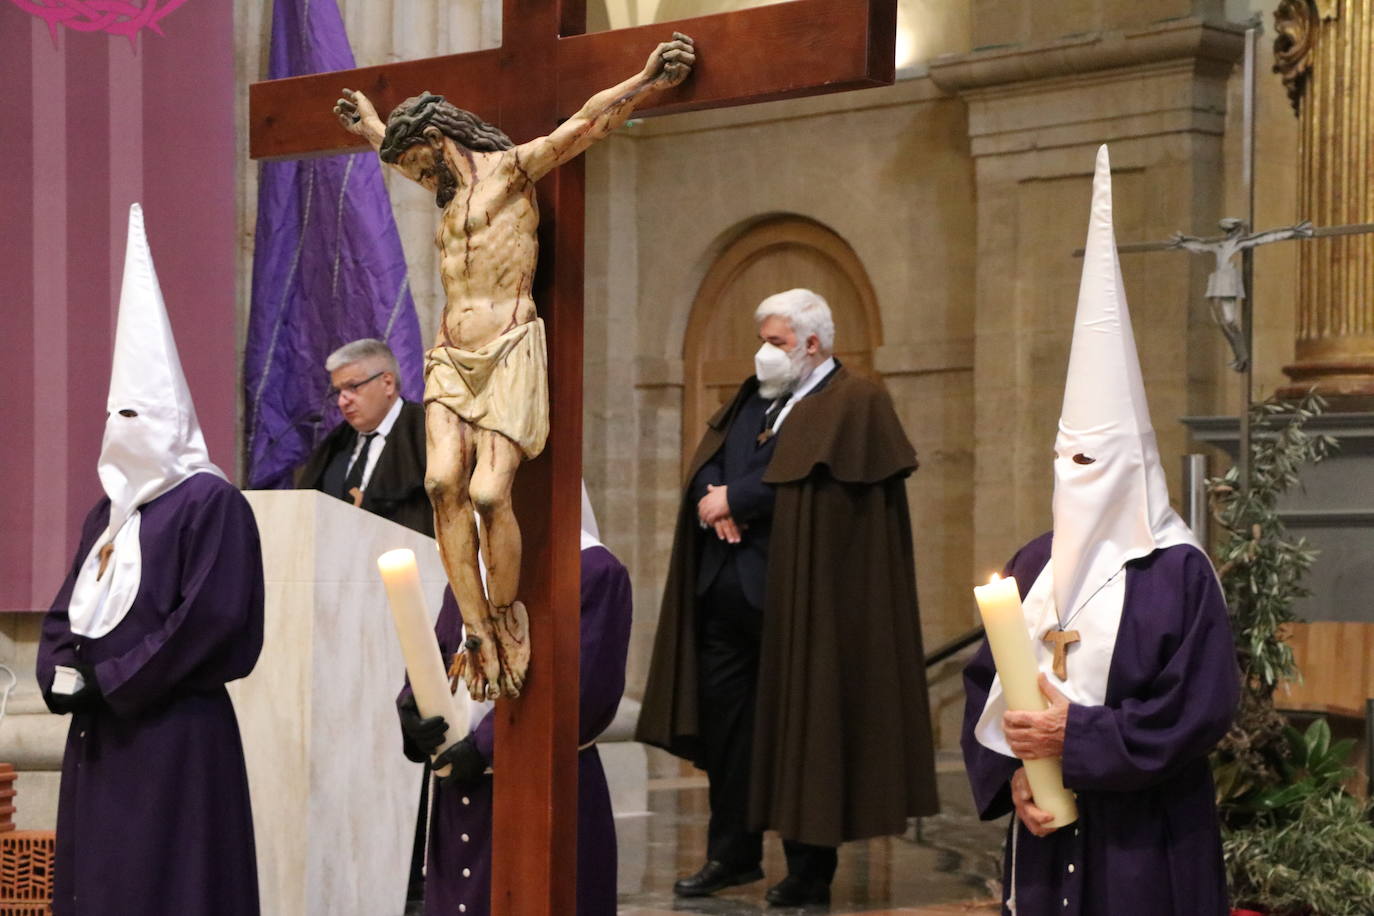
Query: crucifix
<point x="1060" y="640"/>
<point x="544" y="70"/>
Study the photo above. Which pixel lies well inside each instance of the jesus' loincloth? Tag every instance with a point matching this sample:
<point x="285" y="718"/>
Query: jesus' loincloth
<point x="502" y="386"/>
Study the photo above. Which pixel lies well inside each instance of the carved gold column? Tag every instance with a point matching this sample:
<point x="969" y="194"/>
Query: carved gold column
<point x="1325" y="52"/>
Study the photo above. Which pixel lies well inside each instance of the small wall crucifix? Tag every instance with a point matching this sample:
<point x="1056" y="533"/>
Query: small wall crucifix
<point x="1061" y="640"/>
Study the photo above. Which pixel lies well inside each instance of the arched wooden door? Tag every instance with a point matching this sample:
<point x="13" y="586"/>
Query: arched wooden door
<point x="770" y="257"/>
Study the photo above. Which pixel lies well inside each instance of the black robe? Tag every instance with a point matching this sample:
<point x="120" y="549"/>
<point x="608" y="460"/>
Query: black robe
<point x="396" y="489"/>
<point x="842" y="738"/>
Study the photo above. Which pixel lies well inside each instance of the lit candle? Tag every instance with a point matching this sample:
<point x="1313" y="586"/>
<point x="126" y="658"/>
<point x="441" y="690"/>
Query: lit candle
<point x="1000" y="604"/>
<point x="428" y="680"/>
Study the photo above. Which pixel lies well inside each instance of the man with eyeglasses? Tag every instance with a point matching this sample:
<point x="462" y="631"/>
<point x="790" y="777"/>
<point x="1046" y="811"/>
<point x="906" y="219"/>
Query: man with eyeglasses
<point x="375" y="459"/>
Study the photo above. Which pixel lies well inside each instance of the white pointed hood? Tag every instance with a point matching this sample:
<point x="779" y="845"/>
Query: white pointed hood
<point x="591" y="532"/>
<point x="1111" y="501"/>
<point x="152" y="439"/>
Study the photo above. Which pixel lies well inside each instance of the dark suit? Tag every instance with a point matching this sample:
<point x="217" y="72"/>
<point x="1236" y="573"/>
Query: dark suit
<point x="396" y="489"/>
<point x="739" y="466"/>
<point x="730" y="599"/>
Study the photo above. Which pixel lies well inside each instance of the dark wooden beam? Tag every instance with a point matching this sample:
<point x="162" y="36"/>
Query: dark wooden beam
<point x="293" y="118"/>
<point x="782" y="51"/>
<point x="534" y="808"/>
<point x="787" y="50"/>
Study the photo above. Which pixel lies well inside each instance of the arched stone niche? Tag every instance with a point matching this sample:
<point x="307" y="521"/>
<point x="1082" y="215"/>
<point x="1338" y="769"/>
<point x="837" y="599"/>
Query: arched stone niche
<point x="769" y="256"/>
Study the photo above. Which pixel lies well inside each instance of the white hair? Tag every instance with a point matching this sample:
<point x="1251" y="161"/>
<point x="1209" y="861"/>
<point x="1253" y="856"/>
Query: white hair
<point x="806" y="311"/>
<point x="359" y="350"/>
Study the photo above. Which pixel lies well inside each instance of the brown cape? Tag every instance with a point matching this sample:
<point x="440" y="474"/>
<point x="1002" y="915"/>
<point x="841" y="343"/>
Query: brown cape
<point x="842" y="737"/>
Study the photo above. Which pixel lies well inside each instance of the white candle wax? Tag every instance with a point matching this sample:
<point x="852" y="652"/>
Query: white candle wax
<point x="424" y="664"/>
<point x="999" y="602"/>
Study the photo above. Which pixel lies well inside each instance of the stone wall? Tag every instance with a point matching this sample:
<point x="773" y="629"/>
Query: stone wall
<point x="997" y="22"/>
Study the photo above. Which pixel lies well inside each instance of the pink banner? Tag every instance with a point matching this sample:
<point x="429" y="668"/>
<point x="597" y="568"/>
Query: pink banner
<point x="116" y="17"/>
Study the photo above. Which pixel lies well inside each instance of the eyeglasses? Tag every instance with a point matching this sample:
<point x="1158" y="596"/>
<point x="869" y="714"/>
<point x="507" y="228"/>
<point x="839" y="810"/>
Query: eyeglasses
<point x="351" y="389"/>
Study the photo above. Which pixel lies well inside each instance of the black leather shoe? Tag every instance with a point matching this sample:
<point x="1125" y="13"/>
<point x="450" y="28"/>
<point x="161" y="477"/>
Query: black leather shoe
<point x="714" y="876"/>
<point x="794" y="891"/>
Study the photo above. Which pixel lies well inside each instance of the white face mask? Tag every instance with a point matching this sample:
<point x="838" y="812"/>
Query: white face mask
<point x="778" y="370"/>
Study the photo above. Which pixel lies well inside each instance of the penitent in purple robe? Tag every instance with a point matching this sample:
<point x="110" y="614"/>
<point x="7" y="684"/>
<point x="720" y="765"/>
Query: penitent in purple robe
<point x="1147" y="842"/>
<point x="458" y="869"/>
<point x="153" y="814"/>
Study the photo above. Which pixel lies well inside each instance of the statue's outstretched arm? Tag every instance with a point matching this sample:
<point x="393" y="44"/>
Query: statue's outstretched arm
<point x="1302" y="230"/>
<point x="669" y="64"/>
<point x="1192" y="243"/>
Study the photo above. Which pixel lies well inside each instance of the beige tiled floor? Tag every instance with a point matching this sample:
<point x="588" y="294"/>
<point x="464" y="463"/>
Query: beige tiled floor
<point x="943" y="870"/>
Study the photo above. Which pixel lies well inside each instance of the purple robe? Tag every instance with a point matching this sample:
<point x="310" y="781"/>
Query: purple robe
<point x="1147" y="841"/>
<point x="153" y="815"/>
<point x="458" y="870"/>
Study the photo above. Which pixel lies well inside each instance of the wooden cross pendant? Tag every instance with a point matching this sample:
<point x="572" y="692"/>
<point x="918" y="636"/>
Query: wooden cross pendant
<point x="1061" y="640"/>
<point x="104" y="559"/>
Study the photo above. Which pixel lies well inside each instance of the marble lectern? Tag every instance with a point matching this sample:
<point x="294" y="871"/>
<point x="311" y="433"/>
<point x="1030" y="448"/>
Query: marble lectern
<point x="334" y="801"/>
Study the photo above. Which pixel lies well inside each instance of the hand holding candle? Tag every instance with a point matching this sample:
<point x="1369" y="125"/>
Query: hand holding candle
<point x="999" y="602"/>
<point x="424" y="664"/>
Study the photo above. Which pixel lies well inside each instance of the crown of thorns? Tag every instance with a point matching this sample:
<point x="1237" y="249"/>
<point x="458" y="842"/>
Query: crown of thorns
<point x="408" y="121"/>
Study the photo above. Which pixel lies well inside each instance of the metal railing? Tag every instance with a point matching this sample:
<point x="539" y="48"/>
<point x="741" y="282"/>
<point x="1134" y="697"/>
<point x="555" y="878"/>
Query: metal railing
<point x="954" y="646"/>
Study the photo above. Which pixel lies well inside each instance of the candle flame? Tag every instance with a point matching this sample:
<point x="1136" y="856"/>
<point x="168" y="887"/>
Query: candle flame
<point x="994" y="578"/>
<point x="400" y="558"/>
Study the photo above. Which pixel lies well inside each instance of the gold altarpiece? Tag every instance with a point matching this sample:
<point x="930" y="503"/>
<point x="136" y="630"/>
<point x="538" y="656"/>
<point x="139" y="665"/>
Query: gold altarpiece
<point x="1325" y="54"/>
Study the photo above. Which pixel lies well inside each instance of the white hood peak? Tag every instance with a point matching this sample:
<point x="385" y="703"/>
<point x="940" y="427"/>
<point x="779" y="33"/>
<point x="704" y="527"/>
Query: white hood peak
<point x="152" y="438"/>
<point x="1111" y="500"/>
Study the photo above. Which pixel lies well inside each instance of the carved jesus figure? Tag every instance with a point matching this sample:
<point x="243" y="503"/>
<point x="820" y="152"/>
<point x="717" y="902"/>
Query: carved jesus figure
<point x="1225" y="286"/>
<point x="486" y="388"/>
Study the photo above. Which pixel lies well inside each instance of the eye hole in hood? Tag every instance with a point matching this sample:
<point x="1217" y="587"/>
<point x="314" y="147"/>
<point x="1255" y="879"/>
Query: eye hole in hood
<point x="1081" y="458"/>
<point x="128" y="412"/>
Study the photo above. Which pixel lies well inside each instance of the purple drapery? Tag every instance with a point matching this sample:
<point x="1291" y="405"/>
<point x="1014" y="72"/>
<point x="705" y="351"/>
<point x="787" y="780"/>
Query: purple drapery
<point x="327" y="269"/>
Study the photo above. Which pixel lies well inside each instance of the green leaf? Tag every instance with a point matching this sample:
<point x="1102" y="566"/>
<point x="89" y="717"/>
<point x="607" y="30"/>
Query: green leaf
<point x="1318" y="739"/>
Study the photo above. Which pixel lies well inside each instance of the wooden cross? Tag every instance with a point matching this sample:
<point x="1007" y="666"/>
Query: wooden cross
<point x="543" y="72"/>
<point x="1061" y="640"/>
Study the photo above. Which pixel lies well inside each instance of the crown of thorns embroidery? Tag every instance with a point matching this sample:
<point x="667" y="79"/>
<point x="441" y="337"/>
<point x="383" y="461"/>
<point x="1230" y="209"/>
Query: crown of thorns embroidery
<point x="117" y="17"/>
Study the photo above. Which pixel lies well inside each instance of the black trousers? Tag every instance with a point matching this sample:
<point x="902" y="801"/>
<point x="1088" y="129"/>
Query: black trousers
<point x="728" y="668"/>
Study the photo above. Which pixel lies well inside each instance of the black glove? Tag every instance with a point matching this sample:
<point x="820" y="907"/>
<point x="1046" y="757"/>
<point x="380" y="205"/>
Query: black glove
<point x="84" y="700"/>
<point x="425" y="735"/>
<point x="468" y="765"/>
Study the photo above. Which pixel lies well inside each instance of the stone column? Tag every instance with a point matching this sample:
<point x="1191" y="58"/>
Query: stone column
<point x="1325" y="53"/>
